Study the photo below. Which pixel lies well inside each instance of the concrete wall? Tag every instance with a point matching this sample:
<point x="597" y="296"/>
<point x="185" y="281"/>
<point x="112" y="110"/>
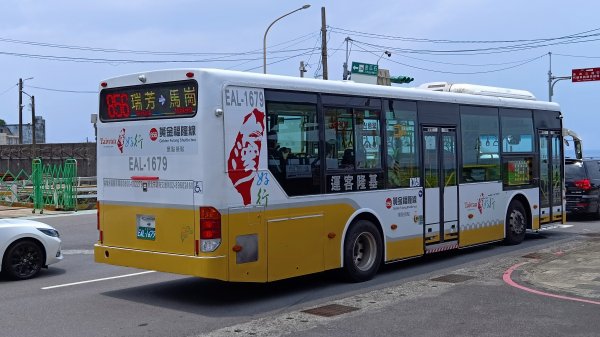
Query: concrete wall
<point x="15" y="158"/>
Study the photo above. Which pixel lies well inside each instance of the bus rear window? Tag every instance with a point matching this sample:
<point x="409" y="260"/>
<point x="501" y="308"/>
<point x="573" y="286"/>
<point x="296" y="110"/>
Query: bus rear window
<point x="149" y="101"/>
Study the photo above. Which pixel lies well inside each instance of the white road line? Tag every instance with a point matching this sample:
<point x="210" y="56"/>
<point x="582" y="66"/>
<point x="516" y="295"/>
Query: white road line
<point x="56" y="215"/>
<point x="97" y="280"/>
<point x="78" y="252"/>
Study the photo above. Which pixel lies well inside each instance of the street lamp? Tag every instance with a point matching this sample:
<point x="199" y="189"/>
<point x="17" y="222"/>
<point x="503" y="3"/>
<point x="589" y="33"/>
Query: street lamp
<point x="265" y="38"/>
<point x="384" y="53"/>
<point x="552" y="81"/>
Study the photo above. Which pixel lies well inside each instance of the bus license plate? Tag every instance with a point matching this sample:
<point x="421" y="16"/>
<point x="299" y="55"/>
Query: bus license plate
<point x="146" y="227"/>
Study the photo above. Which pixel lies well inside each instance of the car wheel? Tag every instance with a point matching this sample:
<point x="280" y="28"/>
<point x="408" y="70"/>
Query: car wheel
<point x="363" y="250"/>
<point x="516" y="223"/>
<point x="22" y="260"/>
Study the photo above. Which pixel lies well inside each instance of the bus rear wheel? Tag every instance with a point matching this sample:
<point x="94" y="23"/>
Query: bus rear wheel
<point x="363" y="250"/>
<point x="516" y="223"/>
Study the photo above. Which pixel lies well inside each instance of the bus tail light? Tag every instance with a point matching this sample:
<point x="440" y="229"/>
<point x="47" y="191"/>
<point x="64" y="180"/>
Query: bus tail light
<point x="584" y="184"/>
<point x="210" y="229"/>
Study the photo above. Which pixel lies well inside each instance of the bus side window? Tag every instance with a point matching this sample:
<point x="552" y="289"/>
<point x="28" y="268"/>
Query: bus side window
<point x="402" y="146"/>
<point x="480" y="127"/>
<point x="294" y="131"/>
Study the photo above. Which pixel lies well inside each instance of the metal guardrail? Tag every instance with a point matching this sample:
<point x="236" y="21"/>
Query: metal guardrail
<point x="87" y="188"/>
<point x="56" y="186"/>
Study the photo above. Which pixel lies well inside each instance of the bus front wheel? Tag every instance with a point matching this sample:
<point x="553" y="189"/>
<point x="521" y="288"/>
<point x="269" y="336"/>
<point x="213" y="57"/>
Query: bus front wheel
<point x="363" y="249"/>
<point x="516" y="223"/>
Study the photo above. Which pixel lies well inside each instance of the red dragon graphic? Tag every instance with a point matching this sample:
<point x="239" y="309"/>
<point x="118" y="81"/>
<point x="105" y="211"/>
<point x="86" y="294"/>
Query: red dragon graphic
<point x="480" y="204"/>
<point x="244" y="157"/>
<point x="121" y="140"/>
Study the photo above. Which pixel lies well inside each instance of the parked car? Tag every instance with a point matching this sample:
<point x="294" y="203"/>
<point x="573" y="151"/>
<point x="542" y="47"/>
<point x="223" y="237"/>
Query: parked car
<point x="582" y="181"/>
<point x="26" y="246"/>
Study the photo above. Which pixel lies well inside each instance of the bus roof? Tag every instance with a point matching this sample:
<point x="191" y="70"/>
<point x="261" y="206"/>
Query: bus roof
<point x="269" y="81"/>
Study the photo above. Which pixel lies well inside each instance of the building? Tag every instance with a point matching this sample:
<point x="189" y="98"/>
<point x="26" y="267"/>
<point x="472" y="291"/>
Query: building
<point x="6" y="137"/>
<point x="12" y="130"/>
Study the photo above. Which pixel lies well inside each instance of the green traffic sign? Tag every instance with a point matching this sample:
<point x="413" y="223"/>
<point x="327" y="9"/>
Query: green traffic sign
<point x="364" y="68"/>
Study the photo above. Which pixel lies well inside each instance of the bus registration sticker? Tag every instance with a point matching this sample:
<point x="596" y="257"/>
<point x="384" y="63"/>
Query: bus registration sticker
<point x="146" y="227"/>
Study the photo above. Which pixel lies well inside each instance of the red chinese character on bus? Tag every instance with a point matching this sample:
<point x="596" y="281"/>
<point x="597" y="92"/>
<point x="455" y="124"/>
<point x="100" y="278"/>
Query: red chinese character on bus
<point x="244" y="157"/>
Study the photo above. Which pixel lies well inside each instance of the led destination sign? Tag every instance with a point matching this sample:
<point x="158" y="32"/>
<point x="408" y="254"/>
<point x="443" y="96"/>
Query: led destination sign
<point x="161" y="100"/>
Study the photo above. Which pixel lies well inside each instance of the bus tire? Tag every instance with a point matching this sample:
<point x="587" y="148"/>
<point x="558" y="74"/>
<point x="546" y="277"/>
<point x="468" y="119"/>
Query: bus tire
<point x="363" y="250"/>
<point x="516" y="223"/>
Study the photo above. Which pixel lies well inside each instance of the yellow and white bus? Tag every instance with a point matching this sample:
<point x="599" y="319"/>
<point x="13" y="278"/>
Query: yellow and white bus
<point x="255" y="178"/>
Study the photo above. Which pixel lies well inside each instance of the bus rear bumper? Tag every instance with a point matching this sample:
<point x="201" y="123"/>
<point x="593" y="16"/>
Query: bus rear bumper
<point x="214" y="267"/>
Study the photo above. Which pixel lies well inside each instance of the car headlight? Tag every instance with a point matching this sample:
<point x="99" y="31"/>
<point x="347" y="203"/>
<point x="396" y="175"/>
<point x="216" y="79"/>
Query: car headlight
<point x="49" y="232"/>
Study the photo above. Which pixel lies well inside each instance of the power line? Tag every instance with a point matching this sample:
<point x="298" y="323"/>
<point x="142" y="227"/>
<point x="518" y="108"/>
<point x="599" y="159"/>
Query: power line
<point x="142" y="52"/>
<point x="469" y="52"/>
<point x="129" y="61"/>
<point x="463" y="73"/>
<point x="516" y="45"/>
<point x="8" y="89"/>
<point x="457" y="64"/>
<point x="410" y="39"/>
<point x="64" y="90"/>
<point x="246" y="56"/>
<point x="577" y="56"/>
<point x="315" y="48"/>
<point x="336" y="49"/>
<point x="303" y="39"/>
<point x="274" y="62"/>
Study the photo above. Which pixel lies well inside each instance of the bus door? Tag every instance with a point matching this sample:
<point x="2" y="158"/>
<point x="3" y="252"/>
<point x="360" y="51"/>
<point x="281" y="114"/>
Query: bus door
<point x="551" y="176"/>
<point x="441" y="191"/>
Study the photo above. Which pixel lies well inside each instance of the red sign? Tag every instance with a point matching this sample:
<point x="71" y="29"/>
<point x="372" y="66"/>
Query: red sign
<point x="585" y="75"/>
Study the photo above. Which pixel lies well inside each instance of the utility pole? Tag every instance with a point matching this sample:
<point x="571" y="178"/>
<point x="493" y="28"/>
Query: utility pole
<point x="345" y="75"/>
<point x="550" y="77"/>
<point x="32" y="126"/>
<point x="302" y="69"/>
<point x="20" y="111"/>
<point x="553" y="79"/>
<point x="324" y="43"/>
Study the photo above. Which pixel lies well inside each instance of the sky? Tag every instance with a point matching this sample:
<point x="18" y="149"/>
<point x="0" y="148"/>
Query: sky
<point x="70" y="46"/>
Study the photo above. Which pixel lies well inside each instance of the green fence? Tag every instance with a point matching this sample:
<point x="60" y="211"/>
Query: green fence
<point x="54" y="185"/>
<point x="14" y="188"/>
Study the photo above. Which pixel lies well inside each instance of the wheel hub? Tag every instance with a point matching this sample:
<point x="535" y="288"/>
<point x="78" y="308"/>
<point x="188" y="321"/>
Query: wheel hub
<point x="517" y="222"/>
<point x="364" y="251"/>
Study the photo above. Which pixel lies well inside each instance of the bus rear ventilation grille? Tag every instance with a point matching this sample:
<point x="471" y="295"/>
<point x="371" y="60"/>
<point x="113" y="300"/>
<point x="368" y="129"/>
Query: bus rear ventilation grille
<point x="453" y="278"/>
<point x="330" y="310"/>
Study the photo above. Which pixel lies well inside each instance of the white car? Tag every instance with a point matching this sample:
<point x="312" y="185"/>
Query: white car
<point x="26" y="246"/>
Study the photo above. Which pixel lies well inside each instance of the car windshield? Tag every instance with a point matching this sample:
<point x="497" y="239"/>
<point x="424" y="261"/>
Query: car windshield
<point x="574" y="171"/>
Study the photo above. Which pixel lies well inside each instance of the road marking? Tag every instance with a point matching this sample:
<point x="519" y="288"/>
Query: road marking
<point x="507" y="278"/>
<point x="98" y="280"/>
<point x="78" y="252"/>
<point x="55" y="215"/>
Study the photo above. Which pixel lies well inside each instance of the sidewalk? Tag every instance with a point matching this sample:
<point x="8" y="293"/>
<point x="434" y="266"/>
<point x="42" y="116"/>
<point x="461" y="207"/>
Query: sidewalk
<point x="7" y="212"/>
<point x="565" y="273"/>
<point x="571" y="269"/>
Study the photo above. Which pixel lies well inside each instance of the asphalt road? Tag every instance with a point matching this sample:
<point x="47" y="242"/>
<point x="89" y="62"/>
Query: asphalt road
<point x="78" y="297"/>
